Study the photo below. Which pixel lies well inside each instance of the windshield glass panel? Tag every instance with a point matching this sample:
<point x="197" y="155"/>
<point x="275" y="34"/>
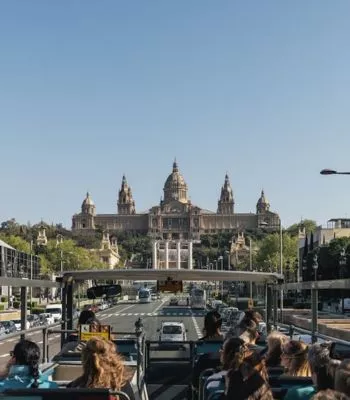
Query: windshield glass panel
<point x="144" y="294"/>
<point x="172" y="330"/>
<point x="54" y="311"/>
<point x="198" y="292"/>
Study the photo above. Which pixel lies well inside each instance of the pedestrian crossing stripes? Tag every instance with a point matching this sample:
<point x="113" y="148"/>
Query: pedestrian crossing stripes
<point x="156" y="314"/>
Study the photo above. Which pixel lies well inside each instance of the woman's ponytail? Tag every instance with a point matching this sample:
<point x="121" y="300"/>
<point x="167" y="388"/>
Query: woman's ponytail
<point x="35" y="374"/>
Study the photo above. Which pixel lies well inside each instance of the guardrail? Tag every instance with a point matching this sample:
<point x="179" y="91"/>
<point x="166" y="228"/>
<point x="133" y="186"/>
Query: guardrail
<point x="293" y="328"/>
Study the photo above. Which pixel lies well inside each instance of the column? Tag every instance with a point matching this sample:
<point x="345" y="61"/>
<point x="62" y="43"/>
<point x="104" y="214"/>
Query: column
<point x="178" y="255"/>
<point x="154" y="255"/>
<point x="166" y="254"/>
<point x="190" y="254"/>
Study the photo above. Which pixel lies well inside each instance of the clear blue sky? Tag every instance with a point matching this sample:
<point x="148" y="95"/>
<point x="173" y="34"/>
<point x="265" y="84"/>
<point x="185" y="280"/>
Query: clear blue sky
<point x="90" y="90"/>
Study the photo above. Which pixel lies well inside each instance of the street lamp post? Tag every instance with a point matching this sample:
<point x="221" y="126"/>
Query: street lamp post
<point x="342" y="264"/>
<point x="314" y="299"/>
<point x="221" y="258"/>
<point x="333" y="172"/>
<point x="59" y="241"/>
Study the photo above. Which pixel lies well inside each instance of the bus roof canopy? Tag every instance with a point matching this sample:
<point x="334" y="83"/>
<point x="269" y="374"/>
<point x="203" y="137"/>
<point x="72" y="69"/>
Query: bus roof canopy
<point x="175" y="274"/>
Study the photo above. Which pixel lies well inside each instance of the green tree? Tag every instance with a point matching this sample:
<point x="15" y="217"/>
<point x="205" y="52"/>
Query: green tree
<point x="268" y="255"/>
<point x="309" y="224"/>
<point x="16" y="242"/>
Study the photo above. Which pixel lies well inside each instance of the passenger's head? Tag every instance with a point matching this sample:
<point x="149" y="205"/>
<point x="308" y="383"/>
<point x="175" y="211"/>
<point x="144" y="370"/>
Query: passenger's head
<point x="27" y="353"/>
<point x="320" y="364"/>
<point x="342" y="377"/>
<point x="232" y="352"/>
<point x="212" y="324"/>
<point x="294" y="358"/>
<point x="248" y="377"/>
<point x="248" y="331"/>
<point x="330" y="394"/>
<point x="103" y="367"/>
<point x="84" y="316"/>
<point x="275" y="341"/>
<point x="254" y="315"/>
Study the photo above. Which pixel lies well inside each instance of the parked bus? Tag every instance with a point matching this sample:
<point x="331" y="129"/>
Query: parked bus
<point x="145" y="295"/>
<point x="198" y="298"/>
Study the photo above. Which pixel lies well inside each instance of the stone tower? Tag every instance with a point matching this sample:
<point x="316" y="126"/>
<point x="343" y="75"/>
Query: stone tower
<point x="263" y="205"/>
<point x="226" y="202"/>
<point x="88" y="211"/>
<point x="175" y="187"/>
<point x="126" y="203"/>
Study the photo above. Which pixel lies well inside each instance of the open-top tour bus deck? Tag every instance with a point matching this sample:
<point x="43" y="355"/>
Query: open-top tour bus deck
<point x="158" y="373"/>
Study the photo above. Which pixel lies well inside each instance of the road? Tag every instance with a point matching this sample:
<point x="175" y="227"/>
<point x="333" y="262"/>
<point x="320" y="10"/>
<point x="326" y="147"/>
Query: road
<point x="122" y="318"/>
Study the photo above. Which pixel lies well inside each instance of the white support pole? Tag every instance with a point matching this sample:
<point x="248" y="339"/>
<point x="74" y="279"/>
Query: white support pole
<point x="178" y="255"/>
<point x="154" y="255"/>
<point x="166" y="254"/>
<point x="190" y="254"/>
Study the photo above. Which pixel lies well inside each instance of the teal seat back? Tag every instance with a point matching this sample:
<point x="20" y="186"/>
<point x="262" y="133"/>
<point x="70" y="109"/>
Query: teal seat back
<point x="203" y="347"/>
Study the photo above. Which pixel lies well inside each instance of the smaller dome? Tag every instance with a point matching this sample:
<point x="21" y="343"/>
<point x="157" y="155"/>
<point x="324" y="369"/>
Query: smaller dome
<point x="88" y="200"/>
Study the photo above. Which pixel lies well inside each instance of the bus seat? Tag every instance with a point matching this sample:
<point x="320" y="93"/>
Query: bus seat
<point x="126" y="347"/>
<point x="289" y="381"/>
<point x="275" y="371"/>
<point x="217" y="395"/>
<point x="204" y="347"/>
<point x="204" y="361"/>
<point x="67" y="372"/>
<point x="202" y="378"/>
<point x="217" y="384"/>
<point x="67" y="394"/>
<point x="279" y="393"/>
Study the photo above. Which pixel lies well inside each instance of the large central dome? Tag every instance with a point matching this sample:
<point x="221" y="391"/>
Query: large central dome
<point x="175" y="187"/>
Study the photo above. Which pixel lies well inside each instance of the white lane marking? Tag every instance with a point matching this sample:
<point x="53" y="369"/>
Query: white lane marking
<point x="120" y="311"/>
<point x="136" y="314"/>
<point x="142" y="313"/>
<point x="11" y="340"/>
<point x="41" y="342"/>
<point x="4" y="355"/>
<point x="160" y="306"/>
<point x="196" y="327"/>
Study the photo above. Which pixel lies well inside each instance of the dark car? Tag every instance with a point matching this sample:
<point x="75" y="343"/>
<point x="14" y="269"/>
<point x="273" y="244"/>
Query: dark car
<point x="9" y="326"/>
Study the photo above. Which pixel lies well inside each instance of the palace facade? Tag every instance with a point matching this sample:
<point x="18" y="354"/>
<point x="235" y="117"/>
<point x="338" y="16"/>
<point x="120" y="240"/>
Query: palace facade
<point x="175" y="217"/>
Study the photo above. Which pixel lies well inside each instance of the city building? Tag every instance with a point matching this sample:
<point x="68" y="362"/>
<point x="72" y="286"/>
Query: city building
<point x="108" y="252"/>
<point x="175" y="217"/>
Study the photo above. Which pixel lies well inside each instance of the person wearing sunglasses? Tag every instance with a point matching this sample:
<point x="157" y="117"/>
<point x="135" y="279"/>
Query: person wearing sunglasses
<point x="23" y="368"/>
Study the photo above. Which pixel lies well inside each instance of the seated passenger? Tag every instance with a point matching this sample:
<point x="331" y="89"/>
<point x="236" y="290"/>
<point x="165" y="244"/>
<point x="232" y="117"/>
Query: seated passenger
<point x="320" y="363"/>
<point x="23" y="368"/>
<point x="275" y="341"/>
<point x="103" y="368"/>
<point x="330" y="394"/>
<point x="230" y="349"/>
<point x="247" y="377"/>
<point x="212" y="326"/>
<point x="85" y="315"/>
<point x="342" y="377"/>
<point x="294" y="358"/>
<point x="75" y="346"/>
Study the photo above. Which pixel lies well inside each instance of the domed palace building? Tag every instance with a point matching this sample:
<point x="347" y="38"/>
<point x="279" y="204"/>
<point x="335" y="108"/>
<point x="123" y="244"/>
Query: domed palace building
<point x="175" y="217"/>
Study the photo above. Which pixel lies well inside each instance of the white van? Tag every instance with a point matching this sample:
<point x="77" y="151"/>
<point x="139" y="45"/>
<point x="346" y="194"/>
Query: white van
<point x="55" y="310"/>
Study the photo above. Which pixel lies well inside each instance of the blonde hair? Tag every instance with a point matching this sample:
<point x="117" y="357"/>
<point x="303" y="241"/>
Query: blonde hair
<point x="297" y="352"/>
<point x="342" y="377"/>
<point x="103" y="367"/>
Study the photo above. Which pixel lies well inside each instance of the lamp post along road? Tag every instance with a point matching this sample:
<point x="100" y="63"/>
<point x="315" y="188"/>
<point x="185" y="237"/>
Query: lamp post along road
<point x="281" y="267"/>
<point x="314" y="300"/>
<point x="250" y="269"/>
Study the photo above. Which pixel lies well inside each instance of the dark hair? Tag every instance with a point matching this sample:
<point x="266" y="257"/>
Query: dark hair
<point x="250" y="327"/>
<point x="231" y="347"/>
<point x="85" y="315"/>
<point x="28" y="353"/>
<point x="253" y="315"/>
<point x="212" y="323"/>
<point x="93" y="320"/>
